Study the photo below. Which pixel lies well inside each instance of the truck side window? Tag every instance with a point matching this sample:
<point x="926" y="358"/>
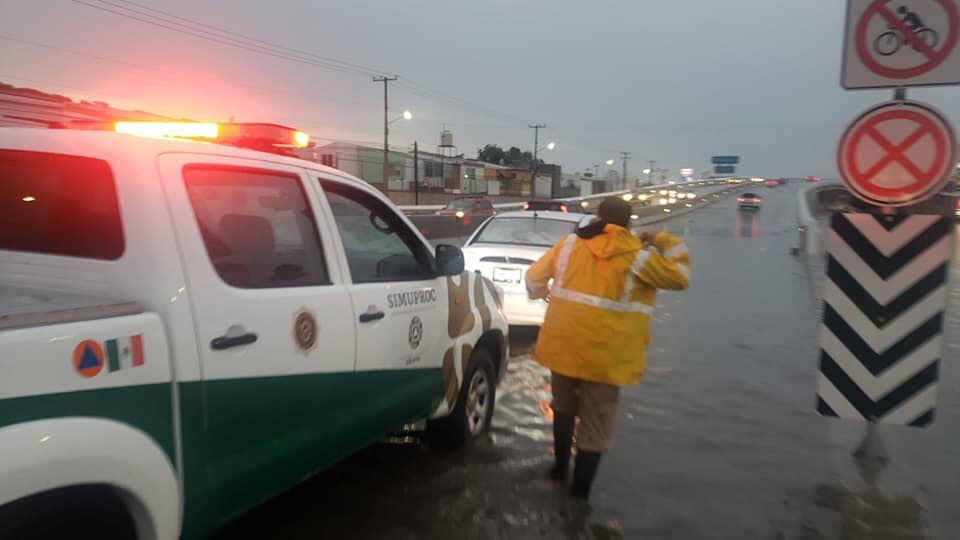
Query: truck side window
<point x="59" y="205"/>
<point x="378" y="244"/>
<point x="257" y="226"/>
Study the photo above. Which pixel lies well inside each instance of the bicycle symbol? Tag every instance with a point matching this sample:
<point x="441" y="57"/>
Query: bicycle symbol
<point x="889" y="42"/>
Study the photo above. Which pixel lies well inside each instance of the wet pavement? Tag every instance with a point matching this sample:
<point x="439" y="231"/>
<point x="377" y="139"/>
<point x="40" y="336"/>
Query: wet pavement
<point x="720" y="440"/>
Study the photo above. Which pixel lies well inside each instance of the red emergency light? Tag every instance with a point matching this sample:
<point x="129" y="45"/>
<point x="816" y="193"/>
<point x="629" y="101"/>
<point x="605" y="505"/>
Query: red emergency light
<point x="257" y="136"/>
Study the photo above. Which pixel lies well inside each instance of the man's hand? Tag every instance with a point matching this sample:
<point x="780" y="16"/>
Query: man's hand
<point x="647" y="237"/>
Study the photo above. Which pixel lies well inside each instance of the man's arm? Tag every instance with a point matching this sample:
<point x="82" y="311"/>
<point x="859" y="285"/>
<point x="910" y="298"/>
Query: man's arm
<point x="540" y="272"/>
<point x="666" y="268"/>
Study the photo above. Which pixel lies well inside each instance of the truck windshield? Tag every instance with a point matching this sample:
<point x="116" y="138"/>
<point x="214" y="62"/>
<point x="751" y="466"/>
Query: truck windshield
<point x="59" y="205"/>
<point x="524" y="231"/>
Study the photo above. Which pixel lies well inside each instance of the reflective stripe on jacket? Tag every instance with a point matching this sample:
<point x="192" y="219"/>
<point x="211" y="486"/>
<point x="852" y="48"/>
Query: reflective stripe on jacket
<point x="601" y="300"/>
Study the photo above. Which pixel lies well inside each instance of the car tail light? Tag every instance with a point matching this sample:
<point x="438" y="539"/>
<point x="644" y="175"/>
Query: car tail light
<point x="563" y="208"/>
<point x="740" y="199"/>
<point x="526" y="206"/>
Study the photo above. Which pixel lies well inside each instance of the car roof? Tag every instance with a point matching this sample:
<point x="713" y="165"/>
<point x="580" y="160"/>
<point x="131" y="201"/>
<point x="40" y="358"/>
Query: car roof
<point x="541" y="214"/>
<point x="101" y="143"/>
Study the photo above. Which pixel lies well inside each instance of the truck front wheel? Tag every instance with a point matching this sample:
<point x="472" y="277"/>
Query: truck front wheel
<point x="471" y="415"/>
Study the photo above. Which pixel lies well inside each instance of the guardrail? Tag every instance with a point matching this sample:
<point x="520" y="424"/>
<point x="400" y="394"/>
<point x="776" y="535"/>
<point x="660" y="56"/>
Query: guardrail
<point x="810" y="234"/>
<point x="449" y="226"/>
<point x="515" y="205"/>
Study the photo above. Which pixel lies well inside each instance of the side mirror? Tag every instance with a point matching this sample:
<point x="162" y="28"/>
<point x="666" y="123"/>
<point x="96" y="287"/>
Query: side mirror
<point x="449" y="260"/>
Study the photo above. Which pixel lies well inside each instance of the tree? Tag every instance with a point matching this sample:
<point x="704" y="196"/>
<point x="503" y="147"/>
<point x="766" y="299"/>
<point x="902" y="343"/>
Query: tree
<point x="514" y="157"/>
<point x="491" y="153"/>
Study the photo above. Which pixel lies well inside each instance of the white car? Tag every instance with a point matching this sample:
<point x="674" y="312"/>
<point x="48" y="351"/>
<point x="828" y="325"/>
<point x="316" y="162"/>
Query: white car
<point x="506" y="245"/>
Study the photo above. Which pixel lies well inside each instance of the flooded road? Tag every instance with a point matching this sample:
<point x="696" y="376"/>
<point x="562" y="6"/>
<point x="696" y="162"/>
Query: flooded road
<point x="720" y="440"/>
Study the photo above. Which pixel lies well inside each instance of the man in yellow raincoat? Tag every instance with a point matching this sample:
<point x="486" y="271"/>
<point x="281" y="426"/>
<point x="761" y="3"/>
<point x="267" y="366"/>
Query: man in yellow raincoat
<point x="593" y="337"/>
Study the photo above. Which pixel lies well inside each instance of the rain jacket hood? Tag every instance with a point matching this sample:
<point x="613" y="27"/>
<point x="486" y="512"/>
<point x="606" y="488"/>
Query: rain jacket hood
<point x="606" y="240"/>
<point x="604" y="283"/>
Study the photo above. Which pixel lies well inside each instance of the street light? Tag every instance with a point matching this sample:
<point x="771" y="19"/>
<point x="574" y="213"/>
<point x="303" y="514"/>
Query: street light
<point x="609" y="162"/>
<point x="407" y="115"/>
<point x="536" y="165"/>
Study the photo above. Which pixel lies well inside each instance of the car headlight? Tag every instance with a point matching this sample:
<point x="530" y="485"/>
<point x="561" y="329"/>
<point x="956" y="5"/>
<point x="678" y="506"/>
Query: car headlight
<point x="459" y="213"/>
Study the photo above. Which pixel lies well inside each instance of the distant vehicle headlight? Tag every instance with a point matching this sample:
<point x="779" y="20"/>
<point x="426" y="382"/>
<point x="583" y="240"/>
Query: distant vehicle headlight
<point x="460" y="213"/>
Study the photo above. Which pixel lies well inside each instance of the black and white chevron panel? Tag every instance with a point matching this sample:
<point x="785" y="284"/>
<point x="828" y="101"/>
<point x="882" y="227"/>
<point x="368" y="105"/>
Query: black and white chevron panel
<point x="883" y="310"/>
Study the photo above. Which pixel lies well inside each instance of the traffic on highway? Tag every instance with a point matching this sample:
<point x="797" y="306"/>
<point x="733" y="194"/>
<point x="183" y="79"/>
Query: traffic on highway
<point x="502" y="292"/>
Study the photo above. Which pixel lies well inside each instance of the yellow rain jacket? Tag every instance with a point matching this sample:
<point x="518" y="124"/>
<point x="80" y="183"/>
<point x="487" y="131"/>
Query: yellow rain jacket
<point x="601" y="301"/>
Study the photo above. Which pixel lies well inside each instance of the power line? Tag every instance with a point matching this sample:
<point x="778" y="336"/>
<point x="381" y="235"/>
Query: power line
<point x="249" y="38"/>
<point x="263" y="90"/>
<point x="230" y="38"/>
<point x="225" y="40"/>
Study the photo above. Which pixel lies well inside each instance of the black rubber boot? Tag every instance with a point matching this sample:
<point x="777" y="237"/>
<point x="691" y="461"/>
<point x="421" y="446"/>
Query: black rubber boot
<point x="563" y="425"/>
<point x="584" y="471"/>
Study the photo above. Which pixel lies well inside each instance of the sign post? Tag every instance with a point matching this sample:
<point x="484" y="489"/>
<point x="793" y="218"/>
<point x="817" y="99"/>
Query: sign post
<point x="887" y="267"/>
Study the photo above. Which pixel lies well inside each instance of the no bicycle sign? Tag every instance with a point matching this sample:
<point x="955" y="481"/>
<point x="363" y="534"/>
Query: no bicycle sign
<point x="890" y="43"/>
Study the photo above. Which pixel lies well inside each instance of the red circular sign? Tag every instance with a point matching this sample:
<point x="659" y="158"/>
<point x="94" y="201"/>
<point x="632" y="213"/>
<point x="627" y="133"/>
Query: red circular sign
<point x="897" y="153"/>
<point x="934" y="56"/>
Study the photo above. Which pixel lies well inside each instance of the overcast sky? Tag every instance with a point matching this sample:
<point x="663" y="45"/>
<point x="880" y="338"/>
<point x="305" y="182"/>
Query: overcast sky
<point x="673" y="81"/>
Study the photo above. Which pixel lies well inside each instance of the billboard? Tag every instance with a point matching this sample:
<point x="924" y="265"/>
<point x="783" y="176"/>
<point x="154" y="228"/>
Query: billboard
<point x="724" y="169"/>
<point x="686" y="173"/>
<point x="725" y="160"/>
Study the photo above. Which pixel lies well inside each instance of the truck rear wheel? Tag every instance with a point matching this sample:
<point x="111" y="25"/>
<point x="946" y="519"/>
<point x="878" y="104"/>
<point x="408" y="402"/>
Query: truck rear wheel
<point x="471" y="415"/>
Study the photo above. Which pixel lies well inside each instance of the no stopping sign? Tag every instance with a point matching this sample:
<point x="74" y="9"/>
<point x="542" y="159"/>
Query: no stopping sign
<point x="897" y="153"/>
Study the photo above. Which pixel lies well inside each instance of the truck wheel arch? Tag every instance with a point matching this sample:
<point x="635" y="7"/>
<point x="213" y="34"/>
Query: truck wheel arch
<point x="84" y="452"/>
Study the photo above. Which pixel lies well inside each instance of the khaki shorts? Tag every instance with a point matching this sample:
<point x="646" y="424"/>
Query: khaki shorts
<point x="596" y="405"/>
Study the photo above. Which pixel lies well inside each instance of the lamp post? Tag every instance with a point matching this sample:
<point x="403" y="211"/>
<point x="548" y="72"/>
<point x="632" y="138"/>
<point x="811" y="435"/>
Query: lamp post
<point x="407" y="115"/>
<point x="536" y="165"/>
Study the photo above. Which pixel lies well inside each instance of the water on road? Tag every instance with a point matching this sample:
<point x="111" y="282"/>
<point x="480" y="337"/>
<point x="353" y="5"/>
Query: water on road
<point x="720" y="440"/>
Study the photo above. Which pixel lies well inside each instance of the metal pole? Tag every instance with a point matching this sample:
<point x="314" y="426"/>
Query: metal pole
<point x="533" y="166"/>
<point x="625" y="156"/>
<point x="650" y="174"/>
<point x="416" y="174"/>
<point x="386" y="131"/>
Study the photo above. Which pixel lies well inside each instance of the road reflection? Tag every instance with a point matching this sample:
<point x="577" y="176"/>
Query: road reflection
<point x="748" y="224"/>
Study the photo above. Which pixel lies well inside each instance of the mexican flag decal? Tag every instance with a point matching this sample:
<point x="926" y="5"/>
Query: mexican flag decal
<point x="123" y="353"/>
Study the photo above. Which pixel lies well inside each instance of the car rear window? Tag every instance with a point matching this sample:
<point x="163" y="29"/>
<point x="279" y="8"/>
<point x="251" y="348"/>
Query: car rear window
<point x="524" y="231"/>
<point x="749" y="196"/>
<point x="460" y="204"/>
<point x="58" y="204"/>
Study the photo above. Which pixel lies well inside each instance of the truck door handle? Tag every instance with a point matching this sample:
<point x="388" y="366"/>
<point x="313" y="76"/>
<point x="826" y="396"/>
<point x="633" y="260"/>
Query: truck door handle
<point x="370" y="317"/>
<point x="224" y="342"/>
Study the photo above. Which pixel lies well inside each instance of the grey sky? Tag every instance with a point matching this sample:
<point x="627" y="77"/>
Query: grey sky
<point x="675" y="81"/>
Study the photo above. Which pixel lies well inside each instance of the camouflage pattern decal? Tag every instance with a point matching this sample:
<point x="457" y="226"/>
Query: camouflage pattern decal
<point x="481" y="301"/>
<point x="450" y="383"/>
<point x="461" y="318"/>
<point x="464" y="311"/>
<point x="465" y="351"/>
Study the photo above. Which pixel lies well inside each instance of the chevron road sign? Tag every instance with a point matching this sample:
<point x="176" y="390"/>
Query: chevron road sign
<point x="883" y="311"/>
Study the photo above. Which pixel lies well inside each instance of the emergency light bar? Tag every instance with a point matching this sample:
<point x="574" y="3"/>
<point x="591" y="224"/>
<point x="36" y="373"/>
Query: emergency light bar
<point x="264" y="137"/>
<point x="182" y="130"/>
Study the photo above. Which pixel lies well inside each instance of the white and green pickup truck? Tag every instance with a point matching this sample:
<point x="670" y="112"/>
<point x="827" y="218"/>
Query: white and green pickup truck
<point x="188" y="329"/>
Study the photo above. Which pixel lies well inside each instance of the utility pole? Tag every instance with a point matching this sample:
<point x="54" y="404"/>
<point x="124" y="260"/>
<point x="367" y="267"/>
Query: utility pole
<point x="650" y="174"/>
<point x="625" y="156"/>
<point x="386" y="131"/>
<point x="416" y="174"/>
<point x="533" y="169"/>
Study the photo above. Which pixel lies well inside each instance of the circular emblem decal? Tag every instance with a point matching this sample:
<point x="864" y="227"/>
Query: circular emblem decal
<point x="415" y="333"/>
<point x="305" y="330"/>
